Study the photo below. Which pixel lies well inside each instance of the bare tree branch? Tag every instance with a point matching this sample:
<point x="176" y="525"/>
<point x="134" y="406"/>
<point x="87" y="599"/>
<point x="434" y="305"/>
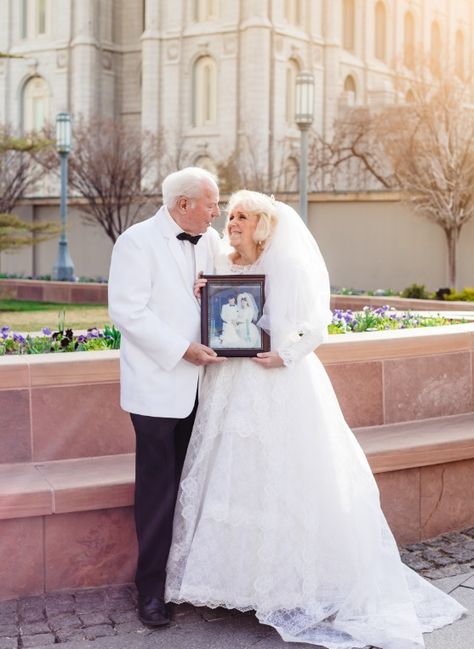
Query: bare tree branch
<point x="109" y="165"/>
<point x="19" y="168"/>
<point x="423" y="148"/>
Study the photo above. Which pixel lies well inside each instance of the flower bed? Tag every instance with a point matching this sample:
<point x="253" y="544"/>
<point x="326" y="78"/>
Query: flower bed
<point x="64" y="340"/>
<point x="383" y="318"/>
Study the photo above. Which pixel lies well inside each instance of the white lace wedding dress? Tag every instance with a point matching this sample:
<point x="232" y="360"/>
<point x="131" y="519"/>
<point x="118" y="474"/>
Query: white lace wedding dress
<point x="278" y="512"/>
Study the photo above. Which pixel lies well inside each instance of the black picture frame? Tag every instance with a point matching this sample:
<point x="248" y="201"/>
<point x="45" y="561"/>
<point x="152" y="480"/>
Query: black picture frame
<point x="231" y="305"/>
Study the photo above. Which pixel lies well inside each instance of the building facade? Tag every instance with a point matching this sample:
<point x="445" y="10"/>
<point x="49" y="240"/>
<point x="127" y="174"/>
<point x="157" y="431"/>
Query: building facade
<point x="216" y="78"/>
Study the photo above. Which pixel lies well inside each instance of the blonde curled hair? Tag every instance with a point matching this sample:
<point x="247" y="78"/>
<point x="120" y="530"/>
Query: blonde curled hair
<point x="259" y="204"/>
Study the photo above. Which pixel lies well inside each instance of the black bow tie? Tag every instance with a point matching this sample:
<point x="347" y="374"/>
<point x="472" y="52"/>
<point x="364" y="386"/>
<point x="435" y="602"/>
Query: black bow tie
<point x="184" y="236"/>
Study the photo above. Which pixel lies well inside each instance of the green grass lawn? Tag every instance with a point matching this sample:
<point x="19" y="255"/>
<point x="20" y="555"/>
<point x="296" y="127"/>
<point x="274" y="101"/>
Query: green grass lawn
<point x="33" y="316"/>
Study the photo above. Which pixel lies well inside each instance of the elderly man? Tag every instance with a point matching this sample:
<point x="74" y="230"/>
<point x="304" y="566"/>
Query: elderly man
<point x="151" y="300"/>
<point x="230" y="317"/>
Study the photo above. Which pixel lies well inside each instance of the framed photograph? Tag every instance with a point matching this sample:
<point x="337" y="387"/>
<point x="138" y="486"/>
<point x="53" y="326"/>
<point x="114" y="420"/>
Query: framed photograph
<point x="231" y="306"/>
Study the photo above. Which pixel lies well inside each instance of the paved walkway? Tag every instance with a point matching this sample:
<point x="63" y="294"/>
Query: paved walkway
<point x="105" y="618"/>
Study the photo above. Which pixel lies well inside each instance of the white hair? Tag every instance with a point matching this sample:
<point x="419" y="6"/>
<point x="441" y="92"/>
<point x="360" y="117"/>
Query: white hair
<point x="187" y="183"/>
<point x="261" y="205"/>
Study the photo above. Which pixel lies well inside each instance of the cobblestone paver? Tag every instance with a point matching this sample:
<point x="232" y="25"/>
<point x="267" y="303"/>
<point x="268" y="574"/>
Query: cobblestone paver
<point x="444" y="556"/>
<point x="87" y="615"/>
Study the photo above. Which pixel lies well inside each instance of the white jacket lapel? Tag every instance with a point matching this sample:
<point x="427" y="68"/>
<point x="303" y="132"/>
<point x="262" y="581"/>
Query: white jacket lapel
<point x="177" y="252"/>
<point x="201" y="256"/>
<point x="175" y="249"/>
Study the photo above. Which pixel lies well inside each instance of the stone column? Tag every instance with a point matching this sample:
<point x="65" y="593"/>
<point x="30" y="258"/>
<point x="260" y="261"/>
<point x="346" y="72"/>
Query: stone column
<point x="151" y="72"/>
<point x="63" y="81"/>
<point x="332" y="30"/>
<point x="6" y="29"/>
<point x="255" y="86"/>
<point x="255" y="9"/>
<point x="151" y="67"/>
<point x="86" y="63"/>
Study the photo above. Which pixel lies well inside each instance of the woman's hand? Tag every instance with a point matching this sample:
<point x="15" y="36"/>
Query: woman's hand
<point x="268" y="359"/>
<point x="198" y="285"/>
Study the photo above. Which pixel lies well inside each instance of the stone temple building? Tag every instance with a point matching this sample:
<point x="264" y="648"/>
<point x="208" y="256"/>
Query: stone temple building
<point x="214" y="77"/>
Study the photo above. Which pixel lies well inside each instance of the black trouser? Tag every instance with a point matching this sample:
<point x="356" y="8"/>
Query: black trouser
<point x="161" y="445"/>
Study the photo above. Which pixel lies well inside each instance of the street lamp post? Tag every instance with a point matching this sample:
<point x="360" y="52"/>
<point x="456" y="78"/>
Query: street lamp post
<point x="63" y="268"/>
<point x="304" y="118"/>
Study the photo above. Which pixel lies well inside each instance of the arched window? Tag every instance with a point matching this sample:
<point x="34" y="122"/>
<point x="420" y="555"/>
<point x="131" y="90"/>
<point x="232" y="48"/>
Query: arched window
<point x="293" y="11"/>
<point x="350" y="90"/>
<point x="206" y="10"/>
<point x="348" y="25"/>
<point x="409" y="41"/>
<point x="435" y="49"/>
<point x="380" y="31"/>
<point x="292" y="70"/>
<point x="205" y="92"/>
<point x="459" y="54"/>
<point x="35" y="104"/>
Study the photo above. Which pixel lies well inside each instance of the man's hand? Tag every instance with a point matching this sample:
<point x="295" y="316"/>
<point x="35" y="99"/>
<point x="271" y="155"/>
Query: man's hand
<point x="199" y="284"/>
<point x="268" y="359"/>
<point x="198" y="354"/>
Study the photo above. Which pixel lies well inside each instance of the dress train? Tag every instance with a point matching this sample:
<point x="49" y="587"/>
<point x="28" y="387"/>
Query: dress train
<point x="278" y="512"/>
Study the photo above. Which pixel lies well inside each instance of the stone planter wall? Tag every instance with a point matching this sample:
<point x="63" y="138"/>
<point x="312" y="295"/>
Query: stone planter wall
<point x="66" y="451"/>
<point x="61" y="406"/>
<point x="358" y="302"/>
<point x="94" y="293"/>
<point x="47" y="291"/>
<point x="397" y="376"/>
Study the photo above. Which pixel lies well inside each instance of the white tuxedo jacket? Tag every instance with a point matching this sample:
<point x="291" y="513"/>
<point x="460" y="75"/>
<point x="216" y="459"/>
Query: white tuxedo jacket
<point x="151" y="301"/>
<point x="229" y="313"/>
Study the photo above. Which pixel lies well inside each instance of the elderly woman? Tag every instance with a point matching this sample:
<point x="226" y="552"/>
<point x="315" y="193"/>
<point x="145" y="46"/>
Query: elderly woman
<point x="278" y="510"/>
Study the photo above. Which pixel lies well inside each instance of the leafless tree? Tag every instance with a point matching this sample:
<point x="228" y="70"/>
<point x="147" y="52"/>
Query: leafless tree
<point x="110" y="166"/>
<point x="244" y="168"/>
<point x="19" y="168"/>
<point x="19" y="171"/>
<point x="172" y="153"/>
<point x="424" y="148"/>
<point x="247" y="167"/>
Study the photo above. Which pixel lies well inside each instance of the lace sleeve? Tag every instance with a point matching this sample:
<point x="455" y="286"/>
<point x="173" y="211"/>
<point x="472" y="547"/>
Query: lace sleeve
<point x="300" y="344"/>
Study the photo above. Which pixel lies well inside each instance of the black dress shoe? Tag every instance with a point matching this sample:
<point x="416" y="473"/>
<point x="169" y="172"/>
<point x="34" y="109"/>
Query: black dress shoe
<point x="152" y="611"/>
